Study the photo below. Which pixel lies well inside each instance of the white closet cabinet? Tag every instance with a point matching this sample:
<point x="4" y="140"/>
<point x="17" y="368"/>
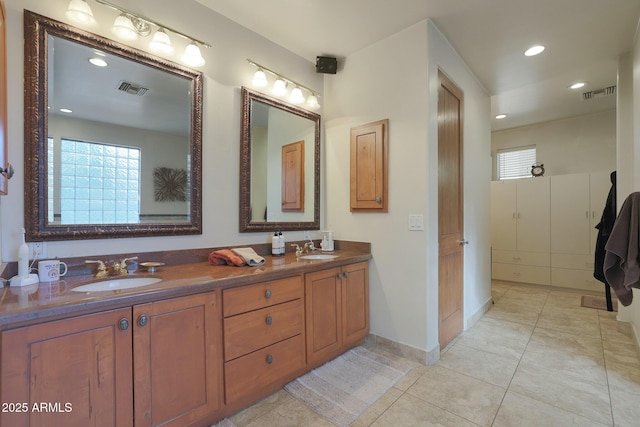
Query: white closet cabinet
<point x="520" y="230"/>
<point x="577" y="201"/>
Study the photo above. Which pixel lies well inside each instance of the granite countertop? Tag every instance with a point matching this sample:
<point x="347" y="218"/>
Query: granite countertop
<point x="22" y="306"/>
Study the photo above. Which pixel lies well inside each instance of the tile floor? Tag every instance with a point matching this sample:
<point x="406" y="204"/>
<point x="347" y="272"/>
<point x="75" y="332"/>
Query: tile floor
<point x="535" y="359"/>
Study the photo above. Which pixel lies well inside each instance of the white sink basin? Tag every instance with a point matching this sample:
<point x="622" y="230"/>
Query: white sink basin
<point x="115" y="284"/>
<point x="319" y="256"/>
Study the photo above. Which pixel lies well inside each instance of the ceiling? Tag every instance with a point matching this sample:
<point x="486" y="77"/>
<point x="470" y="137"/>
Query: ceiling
<point x="583" y="40"/>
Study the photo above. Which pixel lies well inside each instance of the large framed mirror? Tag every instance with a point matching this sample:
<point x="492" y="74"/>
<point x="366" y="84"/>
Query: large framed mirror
<point x="113" y="138"/>
<point x="279" y="165"/>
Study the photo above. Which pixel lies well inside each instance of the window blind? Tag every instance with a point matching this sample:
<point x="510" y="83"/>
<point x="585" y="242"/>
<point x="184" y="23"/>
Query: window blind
<point x="515" y="163"/>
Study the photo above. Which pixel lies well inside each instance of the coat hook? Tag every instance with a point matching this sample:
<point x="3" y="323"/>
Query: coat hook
<point x="8" y="171"/>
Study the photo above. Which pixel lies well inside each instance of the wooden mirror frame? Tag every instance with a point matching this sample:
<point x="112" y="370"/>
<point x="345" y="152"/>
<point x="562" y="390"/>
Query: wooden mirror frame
<point x="246" y="225"/>
<point x="37" y="28"/>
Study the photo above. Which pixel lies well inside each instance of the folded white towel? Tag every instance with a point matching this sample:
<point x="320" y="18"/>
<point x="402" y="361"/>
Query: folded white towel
<point x="250" y="256"/>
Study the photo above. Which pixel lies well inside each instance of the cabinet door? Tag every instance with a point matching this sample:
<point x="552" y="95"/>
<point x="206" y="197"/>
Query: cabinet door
<point x="79" y="368"/>
<point x="323" y="303"/>
<point x="177" y="360"/>
<point x="503" y="215"/>
<point x="355" y="303"/>
<point x="369" y="167"/>
<point x="533" y="219"/>
<point x="570" y="214"/>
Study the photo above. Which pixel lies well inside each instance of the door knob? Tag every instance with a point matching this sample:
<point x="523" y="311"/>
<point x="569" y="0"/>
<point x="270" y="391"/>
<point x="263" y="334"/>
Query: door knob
<point x="463" y="242"/>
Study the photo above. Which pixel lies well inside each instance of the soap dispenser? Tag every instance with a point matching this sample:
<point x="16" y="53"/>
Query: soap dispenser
<point x="327" y="241"/>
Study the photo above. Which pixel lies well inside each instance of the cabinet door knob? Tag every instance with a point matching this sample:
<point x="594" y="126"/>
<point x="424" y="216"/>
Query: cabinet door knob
<point x="346" y="274"/>
<point x="378" y="200"/>
<point x="269" y="359"/>
<point x="269" y="320"/>
<point x="123" y="324"/>
<point x="142" y="320"/>
<point x="267" y="294"/>
<point x="340" y="276"/>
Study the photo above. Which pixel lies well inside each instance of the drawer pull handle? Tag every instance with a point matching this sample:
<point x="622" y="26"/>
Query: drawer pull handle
<point x="269" y="359"/>
<point x="267" y="294"/>
<point x="123" y="324"/>
<point x="142" y="320"/>
<point x="269" y="320"/>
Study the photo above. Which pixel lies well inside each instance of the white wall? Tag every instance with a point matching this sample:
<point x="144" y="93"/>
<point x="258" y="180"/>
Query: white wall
<point x="226" y="70"/>
<point x="396" y="78"/>
<point x="575" y="145"/>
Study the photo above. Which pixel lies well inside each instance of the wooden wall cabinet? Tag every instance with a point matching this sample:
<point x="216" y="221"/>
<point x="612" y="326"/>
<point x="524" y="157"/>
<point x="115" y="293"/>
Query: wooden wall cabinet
<point x="370" y="167"/>
<point x="166" y="351"/>
<point x="337" y="307"/>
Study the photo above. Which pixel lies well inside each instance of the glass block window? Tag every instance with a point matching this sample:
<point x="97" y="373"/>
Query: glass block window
<point x="515" y="163"/>
<point x="99" y="183"/>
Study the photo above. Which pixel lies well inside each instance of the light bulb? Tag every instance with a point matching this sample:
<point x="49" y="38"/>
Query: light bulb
<point x="192" y="56"/>
<point x="123" y="28"/>
<point x="312" y="102"/>
<point x="161" y="42"/>
<point x="259" y="79"/>
<point x="296" y="96"/>
<point x="279" y="88"/>
<point x="79" y="11"/>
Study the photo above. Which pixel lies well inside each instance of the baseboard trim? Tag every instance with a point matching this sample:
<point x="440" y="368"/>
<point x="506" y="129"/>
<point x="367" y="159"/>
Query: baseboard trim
<point x="414" y="354"/>
<point x="475" y="317"/>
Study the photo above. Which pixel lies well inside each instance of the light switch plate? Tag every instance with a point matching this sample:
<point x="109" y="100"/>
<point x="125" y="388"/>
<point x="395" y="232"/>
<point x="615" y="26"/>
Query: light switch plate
<point x="416" y="222"/>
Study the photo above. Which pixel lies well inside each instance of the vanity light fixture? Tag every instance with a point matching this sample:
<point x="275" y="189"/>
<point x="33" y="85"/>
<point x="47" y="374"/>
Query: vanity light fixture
<point x="279" y="88"/>
<point x="259" y="78"/>
<point x="534" y="50"/>
<point x="280" y="84"/>
<point x="296" y="96"/>
<point x="129" y="26"/>
<point x="80" y="12"/>
<point x="161" y="43"/>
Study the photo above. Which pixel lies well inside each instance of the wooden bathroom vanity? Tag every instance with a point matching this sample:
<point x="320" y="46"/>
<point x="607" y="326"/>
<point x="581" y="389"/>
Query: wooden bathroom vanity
<point x="201" y="344"/>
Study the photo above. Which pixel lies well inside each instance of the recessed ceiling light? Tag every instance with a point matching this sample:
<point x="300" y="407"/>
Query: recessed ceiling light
<point x="534" y="50"/>
<point x="501" y="116"/>
<point x="98" y="62"/>
<point x="578" y="85"/>
<point x="66" y="110"/>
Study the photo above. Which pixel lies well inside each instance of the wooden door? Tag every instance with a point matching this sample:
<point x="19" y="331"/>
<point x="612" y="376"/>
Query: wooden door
<point x="323" y="303"/>
<point x="79" y="368"/>
<point x="177" y="360"/>
<point x="3" y="99"/>
<point x="355" y="303"/>
<point x="450" y="211"/>
<point x="503" y="215"/>
<point x="293" y="177"/>
<point x="369" y="167"/>
<point x="534" y="215"/>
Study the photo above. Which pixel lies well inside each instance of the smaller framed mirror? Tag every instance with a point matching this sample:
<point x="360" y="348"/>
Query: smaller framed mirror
<point x="279" y="165"/>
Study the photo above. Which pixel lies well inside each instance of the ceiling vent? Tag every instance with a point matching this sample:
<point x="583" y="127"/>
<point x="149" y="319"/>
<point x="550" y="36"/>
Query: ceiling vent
<point x="599" y="93"/>
<point x="132" y="88"/>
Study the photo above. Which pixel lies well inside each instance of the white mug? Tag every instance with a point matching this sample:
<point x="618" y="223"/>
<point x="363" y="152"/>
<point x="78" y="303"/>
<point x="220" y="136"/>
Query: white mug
<point x="49" y="270"/>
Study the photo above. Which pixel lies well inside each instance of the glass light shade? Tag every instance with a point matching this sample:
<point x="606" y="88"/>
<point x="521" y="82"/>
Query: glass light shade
<point x="79" y="11"/>
<point x="312" y="102"/>
<point x="123" y="28"/>
<point x="279" y="88"/>
<point x="296" y="96"/>
<point x="259" y="79"/>
<point x="161" y="43"/>
<point x="192" y="56"/>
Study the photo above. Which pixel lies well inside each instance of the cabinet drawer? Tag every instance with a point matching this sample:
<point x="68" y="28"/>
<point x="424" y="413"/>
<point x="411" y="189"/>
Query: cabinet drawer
<point x="573" y="261"/>
<point x="576" y="279"/>
<point x="521" y="273"/>
<point x="248" y="332"/>
<point x="521" y="257"/>
<point x="249" y="374"/>
<point x="253" y="297"/>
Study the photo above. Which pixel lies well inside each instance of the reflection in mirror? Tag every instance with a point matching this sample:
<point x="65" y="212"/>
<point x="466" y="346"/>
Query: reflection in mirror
<point x="116" y="135"/>
<point x="279" y="165"/>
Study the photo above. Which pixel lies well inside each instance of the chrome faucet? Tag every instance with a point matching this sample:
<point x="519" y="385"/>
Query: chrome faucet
<point x="117" y="268"/>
